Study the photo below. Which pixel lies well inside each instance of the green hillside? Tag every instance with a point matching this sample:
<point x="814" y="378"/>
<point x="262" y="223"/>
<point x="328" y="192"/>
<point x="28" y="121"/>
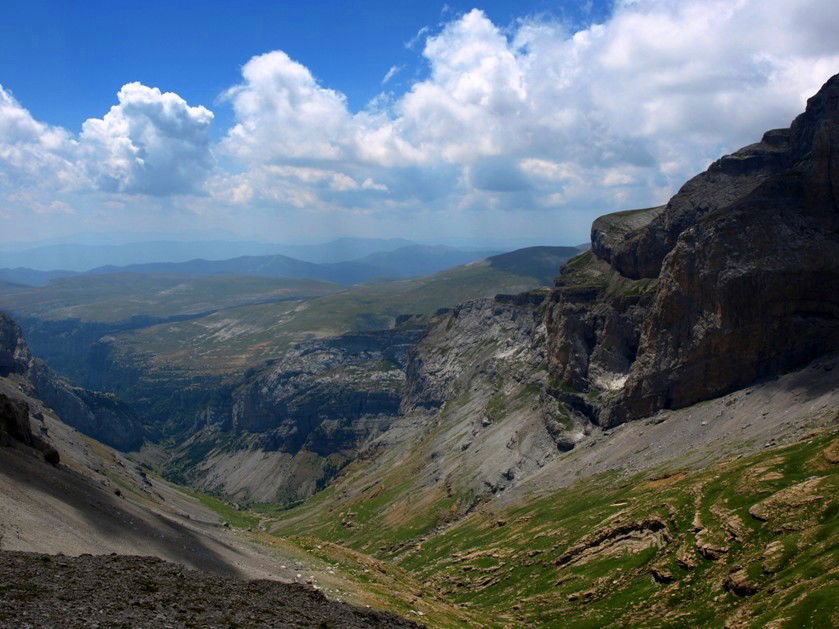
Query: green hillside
<point x="742" y="543"/>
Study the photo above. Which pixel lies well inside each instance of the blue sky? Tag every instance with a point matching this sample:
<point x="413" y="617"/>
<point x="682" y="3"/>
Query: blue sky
<point x="78" y="54"/>
<point x="513" y="122"/>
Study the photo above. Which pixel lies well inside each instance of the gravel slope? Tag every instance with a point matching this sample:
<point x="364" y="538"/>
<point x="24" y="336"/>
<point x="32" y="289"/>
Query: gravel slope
<point x="127" y="591"/>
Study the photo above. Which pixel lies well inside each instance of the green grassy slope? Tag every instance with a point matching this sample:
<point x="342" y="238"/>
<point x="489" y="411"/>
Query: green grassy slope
<point x="749" y="542"/>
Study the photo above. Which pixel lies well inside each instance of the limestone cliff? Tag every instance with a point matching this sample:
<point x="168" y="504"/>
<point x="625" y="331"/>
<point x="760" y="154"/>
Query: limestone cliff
<point x="735" y="279"/>
<point x="293" y="424"/>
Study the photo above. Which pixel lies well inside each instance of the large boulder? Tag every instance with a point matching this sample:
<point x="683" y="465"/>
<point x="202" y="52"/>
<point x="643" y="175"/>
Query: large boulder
<point x="14" y="422"/>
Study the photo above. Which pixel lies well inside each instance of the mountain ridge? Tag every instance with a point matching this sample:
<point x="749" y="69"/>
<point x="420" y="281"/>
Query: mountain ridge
<point x="410" y="261"/>
<point x="83" y="256"/>
<point x="413" y="260"/>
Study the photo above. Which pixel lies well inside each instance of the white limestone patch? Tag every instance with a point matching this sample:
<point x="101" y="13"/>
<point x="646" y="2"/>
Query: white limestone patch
<point x="609" y="381"/>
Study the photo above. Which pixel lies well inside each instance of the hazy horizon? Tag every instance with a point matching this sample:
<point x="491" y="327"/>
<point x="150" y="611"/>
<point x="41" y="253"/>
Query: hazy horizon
<point x="116" y="239"/>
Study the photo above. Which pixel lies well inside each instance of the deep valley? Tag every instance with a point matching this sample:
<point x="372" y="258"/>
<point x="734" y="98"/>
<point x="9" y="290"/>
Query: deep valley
<point x="639" y="433"/>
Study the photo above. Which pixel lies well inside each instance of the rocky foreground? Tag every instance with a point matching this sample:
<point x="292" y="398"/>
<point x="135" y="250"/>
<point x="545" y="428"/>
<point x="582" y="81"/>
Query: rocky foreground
<point x="120" y="591"/>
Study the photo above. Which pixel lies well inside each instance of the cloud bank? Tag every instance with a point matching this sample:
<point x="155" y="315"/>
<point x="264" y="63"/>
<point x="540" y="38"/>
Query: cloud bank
<point x="519" y="123"/>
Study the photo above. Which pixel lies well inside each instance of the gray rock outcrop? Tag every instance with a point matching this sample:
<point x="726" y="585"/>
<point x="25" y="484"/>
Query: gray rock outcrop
<point x="14" y="353"/>
<point x="315" y="394"/>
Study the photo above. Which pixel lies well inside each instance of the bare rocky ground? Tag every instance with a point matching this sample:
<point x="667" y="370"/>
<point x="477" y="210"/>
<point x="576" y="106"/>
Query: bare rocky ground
<point x="39" y="590"/>
<point x="514" y="457"/>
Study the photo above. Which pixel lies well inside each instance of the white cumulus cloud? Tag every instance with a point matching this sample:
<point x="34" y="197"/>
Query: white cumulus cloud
<point x="284" y="114"/>
<point x="537" y="116"/>
<point x="151" y="142"/>
<point x="31" y="151"/>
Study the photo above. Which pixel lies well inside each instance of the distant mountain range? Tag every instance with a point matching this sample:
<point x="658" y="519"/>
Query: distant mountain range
<point x="31" y="277"/>
<point x="344" y="249"/>
<point x="407" y="261"/>
<point x="80" y="257"/>
<point x="411" y="261"/>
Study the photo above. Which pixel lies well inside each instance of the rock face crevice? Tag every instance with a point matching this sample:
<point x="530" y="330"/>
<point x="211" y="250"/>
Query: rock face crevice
<point x="734" y="280"/>
<point x="594" y="318"/>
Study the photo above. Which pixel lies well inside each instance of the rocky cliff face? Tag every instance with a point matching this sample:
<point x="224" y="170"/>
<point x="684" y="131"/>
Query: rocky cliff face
<point x="594" y="317"/>
<point x="341" y="379"/>
<point x="99" y="415"/>
<point x="478" y="398"/>
<point x="735" y="279"/>
<point x="479" y="337"/>
<point x="289" y="428"/>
